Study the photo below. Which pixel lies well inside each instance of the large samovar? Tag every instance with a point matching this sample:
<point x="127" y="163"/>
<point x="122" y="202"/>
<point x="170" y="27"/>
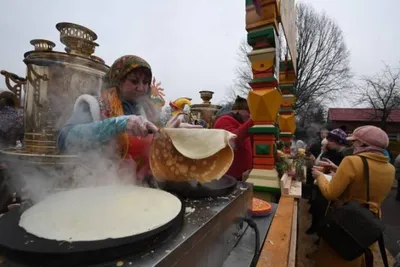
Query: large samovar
<point x="205" y="111"/>
<point x="53" y="82"/>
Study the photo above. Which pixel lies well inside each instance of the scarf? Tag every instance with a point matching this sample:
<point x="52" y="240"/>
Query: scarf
<point x="363" y="149"/>
<point x="113" y="100"/>
<point x="145" y="107"/>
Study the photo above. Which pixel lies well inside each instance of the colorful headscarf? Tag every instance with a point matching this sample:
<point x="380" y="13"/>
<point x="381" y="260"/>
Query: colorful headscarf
<point x="119" y="69"/>
<point x="122" y="66"/>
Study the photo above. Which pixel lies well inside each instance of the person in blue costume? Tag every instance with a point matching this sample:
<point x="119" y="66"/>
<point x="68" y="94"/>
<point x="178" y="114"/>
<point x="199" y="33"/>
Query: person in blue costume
<point x="121" y="121"/>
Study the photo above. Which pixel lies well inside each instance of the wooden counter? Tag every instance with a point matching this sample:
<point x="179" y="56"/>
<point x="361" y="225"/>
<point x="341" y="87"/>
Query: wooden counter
<point x="279" y="249"/>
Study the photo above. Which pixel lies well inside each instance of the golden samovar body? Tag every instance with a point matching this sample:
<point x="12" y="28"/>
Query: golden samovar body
<point x="53" y="82"/>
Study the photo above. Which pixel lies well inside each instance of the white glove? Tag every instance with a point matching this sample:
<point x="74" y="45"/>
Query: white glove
<point x="139" y="126"/>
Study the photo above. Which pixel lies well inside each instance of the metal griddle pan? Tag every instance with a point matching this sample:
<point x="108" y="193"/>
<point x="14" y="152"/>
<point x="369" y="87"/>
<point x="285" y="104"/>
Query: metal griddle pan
<point x="20" y="246"/>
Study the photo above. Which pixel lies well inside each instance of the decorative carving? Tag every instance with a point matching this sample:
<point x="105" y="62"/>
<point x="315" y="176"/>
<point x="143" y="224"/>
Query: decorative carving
<point x="35" y="79"/>
<point x="19" y="82"/>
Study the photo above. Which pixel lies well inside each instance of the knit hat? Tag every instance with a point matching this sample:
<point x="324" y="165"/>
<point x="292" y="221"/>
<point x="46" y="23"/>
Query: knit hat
<point x="371" y="136"/>
<point x="240" y="104"/>
<point x="338" y="136"/>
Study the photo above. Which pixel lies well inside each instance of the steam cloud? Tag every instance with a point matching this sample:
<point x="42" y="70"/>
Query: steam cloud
<point x="88" y="169"/>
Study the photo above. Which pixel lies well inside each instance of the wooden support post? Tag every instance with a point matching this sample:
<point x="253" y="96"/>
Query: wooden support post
<point x="265" y="99"/>
<point x="287" y="121"/>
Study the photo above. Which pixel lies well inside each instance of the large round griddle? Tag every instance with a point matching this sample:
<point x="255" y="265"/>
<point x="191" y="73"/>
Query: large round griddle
<point x="18" y="245"/>
<point x="216" y="188"/>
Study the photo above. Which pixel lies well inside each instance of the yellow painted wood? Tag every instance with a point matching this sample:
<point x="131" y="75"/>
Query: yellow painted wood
<point x="264" y="104"/>
<point x="287" y="78"/>
<point x="269" y="11"/>
<point x="263" y="59"/>
<point x="288" y="100"/>
<point x="287" y="123"/>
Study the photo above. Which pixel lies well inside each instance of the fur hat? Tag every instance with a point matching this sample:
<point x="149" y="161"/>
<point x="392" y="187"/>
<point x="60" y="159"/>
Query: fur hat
<point x="240" y="104"/>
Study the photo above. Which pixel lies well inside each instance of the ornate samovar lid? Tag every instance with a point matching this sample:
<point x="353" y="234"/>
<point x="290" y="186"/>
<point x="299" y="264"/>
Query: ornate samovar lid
<point x="77" y="39"/>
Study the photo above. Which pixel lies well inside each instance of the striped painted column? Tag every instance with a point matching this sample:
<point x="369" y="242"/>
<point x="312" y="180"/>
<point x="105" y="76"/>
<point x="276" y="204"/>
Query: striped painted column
<point x="287" y="121"/>
<point x="265" y="98"/>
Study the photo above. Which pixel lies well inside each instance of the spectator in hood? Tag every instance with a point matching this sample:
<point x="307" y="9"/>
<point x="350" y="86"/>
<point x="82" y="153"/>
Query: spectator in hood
<point x="238" y="122"/>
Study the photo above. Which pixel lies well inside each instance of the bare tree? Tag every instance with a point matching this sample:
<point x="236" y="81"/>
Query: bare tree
<point x="322" y="59"/>
<point x="230" y="95"/>
<point x="382" y="93"/>
<point x="243" y="73"/>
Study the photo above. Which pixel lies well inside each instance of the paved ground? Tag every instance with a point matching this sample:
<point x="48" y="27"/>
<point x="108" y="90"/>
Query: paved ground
<point x="391" y="217"/>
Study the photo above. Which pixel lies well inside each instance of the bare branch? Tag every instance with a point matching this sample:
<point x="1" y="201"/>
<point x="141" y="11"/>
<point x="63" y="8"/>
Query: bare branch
<point x="243" y="73"/>
<point x="322" y="58"/>
<point x="380" y="92"/>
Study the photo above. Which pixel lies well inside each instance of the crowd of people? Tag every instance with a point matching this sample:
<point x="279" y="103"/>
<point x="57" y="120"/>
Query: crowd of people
<point x="336" y="176"/>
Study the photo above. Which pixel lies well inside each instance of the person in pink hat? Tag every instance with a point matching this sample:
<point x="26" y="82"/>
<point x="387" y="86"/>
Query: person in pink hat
<point x="349" y="183"/>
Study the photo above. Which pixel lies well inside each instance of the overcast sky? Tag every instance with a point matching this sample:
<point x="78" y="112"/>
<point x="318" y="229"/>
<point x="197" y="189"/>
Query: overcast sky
<point x="191" y="45"/>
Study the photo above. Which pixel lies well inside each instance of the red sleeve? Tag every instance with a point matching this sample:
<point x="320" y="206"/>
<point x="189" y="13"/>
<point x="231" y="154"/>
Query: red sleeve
<point x="230" y="124"/>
